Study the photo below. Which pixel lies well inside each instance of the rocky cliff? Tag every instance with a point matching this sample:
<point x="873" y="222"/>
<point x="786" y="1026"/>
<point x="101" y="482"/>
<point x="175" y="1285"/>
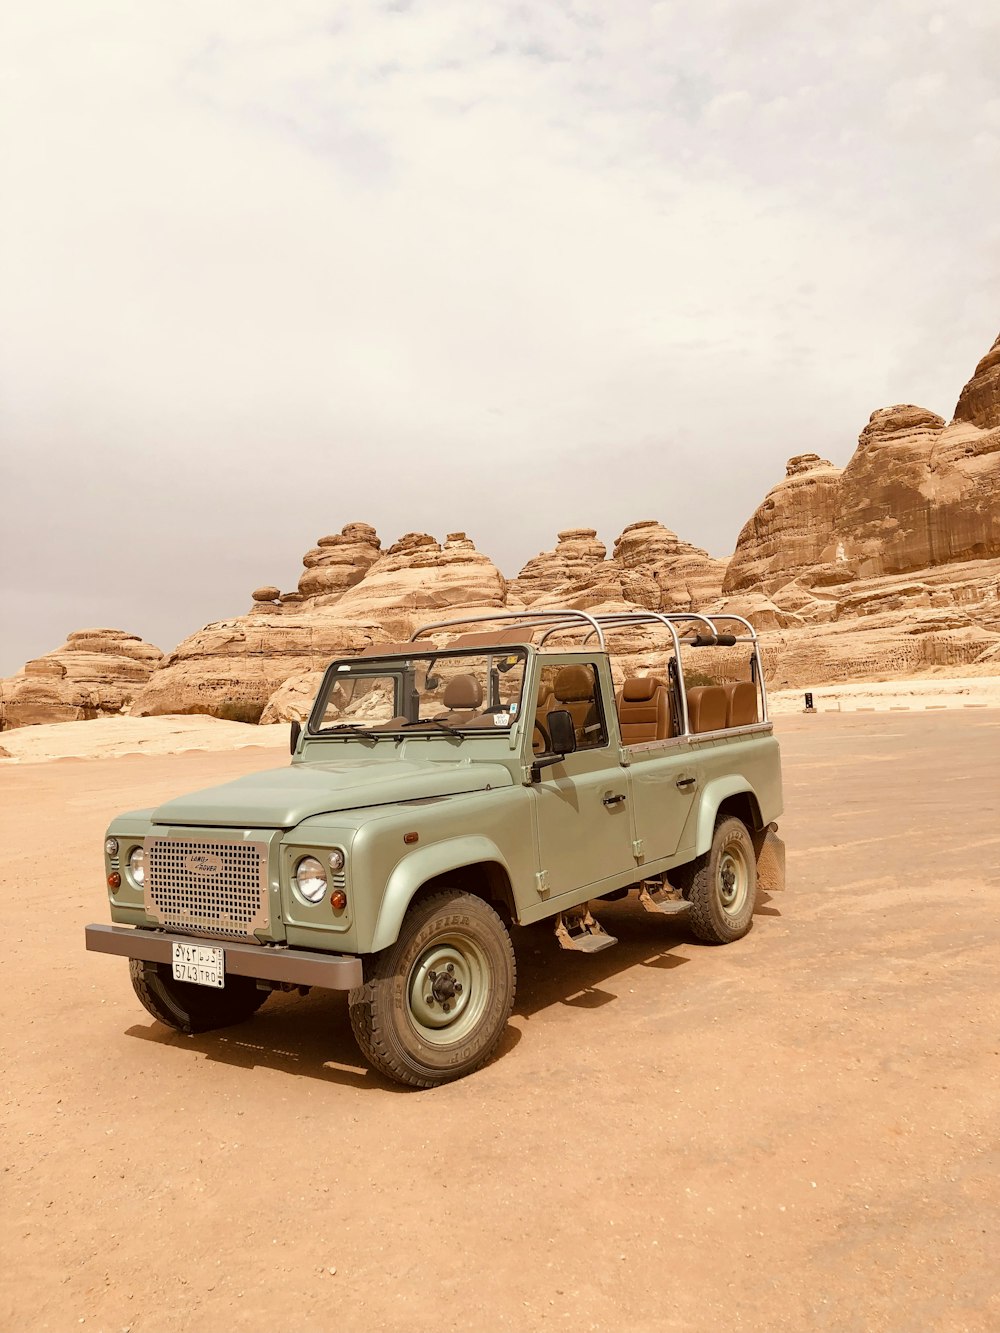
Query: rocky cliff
<point x="351" y="594"/>
<point x="650" y="567"/>
<point x="96" y="672"/>
<point x="887" y="565"/>
<point x="896" y="557"/>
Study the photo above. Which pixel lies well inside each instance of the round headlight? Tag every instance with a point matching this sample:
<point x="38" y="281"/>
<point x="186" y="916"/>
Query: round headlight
<point x="310" y="879"/>
<point x="137" y="866"/>
<point x="111" y="846"/>
<point x="336" y="860"/>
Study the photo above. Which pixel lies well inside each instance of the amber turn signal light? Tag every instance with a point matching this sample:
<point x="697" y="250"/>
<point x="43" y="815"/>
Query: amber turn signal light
<point x="338" y="900"/>
<point x="114" y="880"/>
<point x="411" y="837"/>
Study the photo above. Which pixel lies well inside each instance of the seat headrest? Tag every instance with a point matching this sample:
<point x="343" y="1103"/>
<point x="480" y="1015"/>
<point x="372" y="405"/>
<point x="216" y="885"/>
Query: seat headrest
<point x="574" y="684"/>
<point x="640" y="689"/>
<point x="463" y="692"/>
<point x="706" y="707"/>
<point x="741" y="703"/>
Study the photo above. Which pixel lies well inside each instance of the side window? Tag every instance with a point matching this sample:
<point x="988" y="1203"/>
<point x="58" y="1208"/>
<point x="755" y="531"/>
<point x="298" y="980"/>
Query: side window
<point x="576" y="689"/>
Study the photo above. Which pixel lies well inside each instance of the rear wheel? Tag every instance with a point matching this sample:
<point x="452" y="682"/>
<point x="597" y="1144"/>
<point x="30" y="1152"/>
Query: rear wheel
<point x="722" y="885"/>
<point x="435" y="1004"/>
<point x="189" y="1008"/>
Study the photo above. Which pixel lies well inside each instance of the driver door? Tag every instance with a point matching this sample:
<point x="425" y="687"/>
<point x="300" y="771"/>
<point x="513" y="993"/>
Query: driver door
<point x="580" y="805"/>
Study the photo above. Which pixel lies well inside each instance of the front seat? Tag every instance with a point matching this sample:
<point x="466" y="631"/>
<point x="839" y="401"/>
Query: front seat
<point x="644" y="711"/>
<point x="574" y="690"/>
<point x="463" y="698"/>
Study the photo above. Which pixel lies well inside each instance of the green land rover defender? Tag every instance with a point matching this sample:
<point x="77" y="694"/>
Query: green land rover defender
<point x="484" y="775"/>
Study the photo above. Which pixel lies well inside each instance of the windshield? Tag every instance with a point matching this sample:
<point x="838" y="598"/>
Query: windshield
<point x="429" y="693"/>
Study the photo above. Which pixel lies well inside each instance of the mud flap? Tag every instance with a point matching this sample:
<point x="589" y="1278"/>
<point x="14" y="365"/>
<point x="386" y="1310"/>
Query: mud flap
<point x="657" y="897"/>
<point x="771" y="861"/>
<point x="577" y="929"/>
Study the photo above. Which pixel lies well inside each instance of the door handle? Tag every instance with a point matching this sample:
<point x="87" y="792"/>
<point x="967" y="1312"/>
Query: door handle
<point x="686" y="782"/>
<point x="618" y="799"/>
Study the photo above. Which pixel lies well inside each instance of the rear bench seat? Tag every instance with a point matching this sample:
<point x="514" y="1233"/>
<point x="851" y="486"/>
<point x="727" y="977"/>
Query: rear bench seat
<point x="644" y="710"/>
<point x="707" y="706"/>
<point x="741" y="703"/>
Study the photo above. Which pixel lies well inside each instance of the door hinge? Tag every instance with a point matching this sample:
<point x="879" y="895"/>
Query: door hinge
<point x="542" y="883"/>
<point x="637" y="849"/>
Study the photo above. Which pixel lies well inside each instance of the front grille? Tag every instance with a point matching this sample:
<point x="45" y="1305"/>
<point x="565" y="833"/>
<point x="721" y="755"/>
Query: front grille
<point x="202" y="887"/>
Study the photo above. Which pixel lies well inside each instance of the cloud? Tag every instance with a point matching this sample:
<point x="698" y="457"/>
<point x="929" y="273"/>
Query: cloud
<point x="267" y="269"/>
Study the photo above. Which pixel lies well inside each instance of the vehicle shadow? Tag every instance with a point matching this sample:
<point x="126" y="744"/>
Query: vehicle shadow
<point x="548" y="975"/>
<point x="310" y="1036"/>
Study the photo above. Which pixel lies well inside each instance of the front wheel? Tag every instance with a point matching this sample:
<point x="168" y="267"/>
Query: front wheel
<point x="722" y="885"/>
<point x="190" y="1008"/>
<point x="435" y="1004"/>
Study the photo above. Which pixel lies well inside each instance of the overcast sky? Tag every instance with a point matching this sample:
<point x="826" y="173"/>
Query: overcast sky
<point x="268" y="268"/>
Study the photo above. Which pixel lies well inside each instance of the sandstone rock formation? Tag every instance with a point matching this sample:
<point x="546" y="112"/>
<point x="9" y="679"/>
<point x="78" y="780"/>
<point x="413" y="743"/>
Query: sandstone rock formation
<point x="293" y="700"/>
<point x="418" y="578"/>
<point x="792" y="531"/>
<point x="979" y="402"/>
<point x="890" y="564"/>
<point x="96" y="672"/>
<point x="576" y="573"/>
<point x="894" y="562"/>
<point x="266" y="595"/>
<point x="664" y="573"/>
<point x="349" y="597"/>
<point x="651" y="567"/>
<point x="338" y="562"/>
<point x="230" y="669"/>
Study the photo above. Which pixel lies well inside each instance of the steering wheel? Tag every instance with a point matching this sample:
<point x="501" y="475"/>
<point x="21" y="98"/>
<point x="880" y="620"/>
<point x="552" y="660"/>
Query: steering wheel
<point x="546" y="738"/>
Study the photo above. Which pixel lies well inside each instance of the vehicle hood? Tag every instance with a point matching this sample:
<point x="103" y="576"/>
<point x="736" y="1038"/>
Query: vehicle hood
<point x="283" y="797"/>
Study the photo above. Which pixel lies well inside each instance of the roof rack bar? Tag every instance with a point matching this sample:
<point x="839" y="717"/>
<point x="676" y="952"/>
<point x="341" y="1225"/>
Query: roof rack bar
<point x="539" y="617"/>
<point x="646" y="617"/>
<point x="727" y="615"/>
<point x="742" y="620"/>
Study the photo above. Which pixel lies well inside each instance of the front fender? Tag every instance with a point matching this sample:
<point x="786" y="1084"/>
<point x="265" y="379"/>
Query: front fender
<point x="420" y="866"/>
<point x="715" y="792"/>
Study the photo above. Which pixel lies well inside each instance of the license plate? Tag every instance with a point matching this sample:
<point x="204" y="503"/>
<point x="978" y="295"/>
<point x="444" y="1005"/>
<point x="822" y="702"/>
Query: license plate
<point x="200" y="963"/>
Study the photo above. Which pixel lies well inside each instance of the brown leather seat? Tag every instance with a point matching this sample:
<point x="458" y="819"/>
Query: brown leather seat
<point x="574" y="691"/>
<point x="540" y="739"/>
<point x="706" y="708"/>
<point x="741" y="703"/>
<point x="463" y="698"/>
<point x="644" y="710"/>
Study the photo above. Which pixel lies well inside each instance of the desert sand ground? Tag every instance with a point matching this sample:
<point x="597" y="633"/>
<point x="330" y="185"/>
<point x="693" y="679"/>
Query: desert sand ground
<point x="796" y="1132"/>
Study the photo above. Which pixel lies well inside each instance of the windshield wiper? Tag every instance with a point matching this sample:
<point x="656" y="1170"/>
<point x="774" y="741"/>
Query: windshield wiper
<point x="433" y="722"/>
<point x="353" y="728"/>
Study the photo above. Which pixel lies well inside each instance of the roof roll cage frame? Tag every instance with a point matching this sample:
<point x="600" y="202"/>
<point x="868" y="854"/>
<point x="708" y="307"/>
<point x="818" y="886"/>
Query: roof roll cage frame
<point x="560" y="620"/>
<point x="538" y="618"/>
<point x="621" y="619"/>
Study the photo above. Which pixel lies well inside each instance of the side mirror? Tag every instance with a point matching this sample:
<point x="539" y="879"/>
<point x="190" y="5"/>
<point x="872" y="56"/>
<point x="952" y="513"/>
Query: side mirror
<point x="562" y="731"/>
<point x="293" y="740"/>
<point x="562" y="741"/>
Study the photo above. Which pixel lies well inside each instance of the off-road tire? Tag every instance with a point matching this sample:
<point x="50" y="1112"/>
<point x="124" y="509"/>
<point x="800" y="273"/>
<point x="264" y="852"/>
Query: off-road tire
<point x="706" y="883"/>
<point x="189" y="1008"/>
<point x="398" y="1014"/>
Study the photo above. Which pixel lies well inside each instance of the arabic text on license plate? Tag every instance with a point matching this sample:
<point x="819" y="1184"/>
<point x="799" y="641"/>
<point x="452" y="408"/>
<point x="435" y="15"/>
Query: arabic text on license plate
<point x="200" y="963"/>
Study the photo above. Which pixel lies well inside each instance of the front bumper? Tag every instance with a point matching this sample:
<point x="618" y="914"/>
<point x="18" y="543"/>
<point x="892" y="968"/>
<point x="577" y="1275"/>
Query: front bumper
<point x="299" y="967"/>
